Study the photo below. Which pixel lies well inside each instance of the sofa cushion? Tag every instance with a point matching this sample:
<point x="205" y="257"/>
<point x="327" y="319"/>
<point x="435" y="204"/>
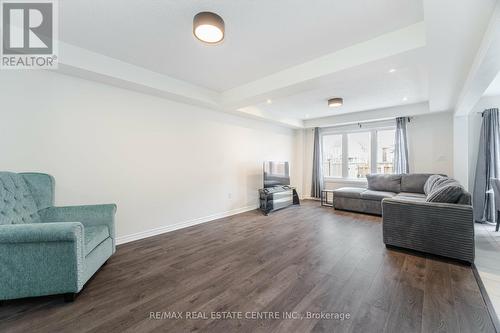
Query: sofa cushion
<point x="414" y="182"/>
<point x="409" y="196"/>
<point x="376" y="195"/>
<point x="94" y="235"/>
<point x="348" y="192"/>
<point x="447" y="194"/>
<point x="383" y="182"/>
<point x="16" y="202"/>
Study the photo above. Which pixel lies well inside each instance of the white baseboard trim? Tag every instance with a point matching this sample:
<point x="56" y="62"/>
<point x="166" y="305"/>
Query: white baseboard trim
<point x="180" y="225"/>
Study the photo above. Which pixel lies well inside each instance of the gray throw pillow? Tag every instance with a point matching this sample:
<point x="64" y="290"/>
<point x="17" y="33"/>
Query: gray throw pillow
<point x="447" y="194"/>
<point x="437" y="181"/>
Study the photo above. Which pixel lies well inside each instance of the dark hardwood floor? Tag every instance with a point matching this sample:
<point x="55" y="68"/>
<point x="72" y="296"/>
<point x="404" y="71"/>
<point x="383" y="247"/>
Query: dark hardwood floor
<point x="298" y="260"/>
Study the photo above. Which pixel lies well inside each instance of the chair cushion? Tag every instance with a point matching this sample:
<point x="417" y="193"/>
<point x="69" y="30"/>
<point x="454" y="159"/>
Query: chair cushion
<point x="414" y="182"/>
<point x="16" y="202"/>
<point x="94" y="235"/>
<point x="376" y="195"/>
<point x="348" y="192"/>
<point x="447" y="194"/>
<point x="383" y="182"/>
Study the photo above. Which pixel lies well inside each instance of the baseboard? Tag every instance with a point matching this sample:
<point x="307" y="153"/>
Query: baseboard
<point x="180" y="225"/>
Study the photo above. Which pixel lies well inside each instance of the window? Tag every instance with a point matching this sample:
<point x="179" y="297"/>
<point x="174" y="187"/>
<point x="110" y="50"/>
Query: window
<point x="358" y="161"/>
<point x="385" y="151"/>
<point x="354" y="154"/>
<point x="332" y="155"/>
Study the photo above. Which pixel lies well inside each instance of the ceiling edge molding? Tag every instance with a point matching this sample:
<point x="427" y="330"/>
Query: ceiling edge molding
<point x="83" y="63"/>
<point x="285" y="82"/>
<point x="93" y="66"/>
<point x="370" y="115"/>
<point x="484" y="69"/>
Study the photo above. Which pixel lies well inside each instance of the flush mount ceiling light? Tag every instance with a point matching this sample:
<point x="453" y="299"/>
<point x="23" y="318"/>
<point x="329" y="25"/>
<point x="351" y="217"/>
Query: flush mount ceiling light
<point x="335" y="102"/>
<point x="208" y="27"/>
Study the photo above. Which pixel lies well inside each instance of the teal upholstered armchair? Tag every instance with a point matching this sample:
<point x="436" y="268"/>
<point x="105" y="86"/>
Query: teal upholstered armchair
<point x="44" y="249"/>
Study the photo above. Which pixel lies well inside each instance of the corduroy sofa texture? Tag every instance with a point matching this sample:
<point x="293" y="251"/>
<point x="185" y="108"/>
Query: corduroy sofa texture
<point x="423" y="212"/>
<point x="44" y="249"/>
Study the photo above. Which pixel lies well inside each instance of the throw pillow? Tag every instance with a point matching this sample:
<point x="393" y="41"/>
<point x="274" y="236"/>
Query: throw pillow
<point x="447" y="194"/>
<point x="437" y="181"/>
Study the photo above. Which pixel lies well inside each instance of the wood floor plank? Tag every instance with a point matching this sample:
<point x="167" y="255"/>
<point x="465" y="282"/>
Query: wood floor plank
<point x="405" y="314"/>
<point x="469" y="307"/>
<point x="377" y="302"/>
<point x="307" y="259"/>
<point x="439" y="314"/>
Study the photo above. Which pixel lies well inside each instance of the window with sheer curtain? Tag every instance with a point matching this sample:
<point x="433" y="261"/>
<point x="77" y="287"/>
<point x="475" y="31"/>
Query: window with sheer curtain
<point x="354" y="154"/>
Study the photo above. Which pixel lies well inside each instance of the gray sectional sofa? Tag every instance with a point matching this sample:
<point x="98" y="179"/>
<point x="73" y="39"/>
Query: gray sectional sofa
<point x="423" y="212"/>
<point x="368" y="200"/>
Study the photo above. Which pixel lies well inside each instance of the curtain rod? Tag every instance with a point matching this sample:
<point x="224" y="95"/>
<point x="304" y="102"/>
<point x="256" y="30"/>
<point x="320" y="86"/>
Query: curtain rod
<point x="360" y="123"/>
<point x="482" y="112"/>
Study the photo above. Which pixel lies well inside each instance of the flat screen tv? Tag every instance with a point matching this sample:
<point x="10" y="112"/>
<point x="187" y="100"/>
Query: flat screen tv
<point x="276" y="174"/>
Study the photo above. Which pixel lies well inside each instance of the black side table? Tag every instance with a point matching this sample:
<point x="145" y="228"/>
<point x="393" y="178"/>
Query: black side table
<point x="324" y="198"/>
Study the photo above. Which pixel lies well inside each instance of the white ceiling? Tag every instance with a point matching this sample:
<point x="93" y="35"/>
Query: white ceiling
<point x="365" y="87"/>
<point x="296" y="53"/>
<point x="494" y="87"/>
<point x="262" y="36"/>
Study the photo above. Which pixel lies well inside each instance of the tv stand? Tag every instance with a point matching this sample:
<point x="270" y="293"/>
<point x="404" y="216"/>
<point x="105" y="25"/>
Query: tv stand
<point x="277" y="197"/>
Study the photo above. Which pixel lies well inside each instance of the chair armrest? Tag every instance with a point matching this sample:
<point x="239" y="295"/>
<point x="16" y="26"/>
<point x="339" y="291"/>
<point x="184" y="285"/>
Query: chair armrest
<point x="41" y="232"/>
<point x="41" y="259"/>
<point x="88" y="215"/>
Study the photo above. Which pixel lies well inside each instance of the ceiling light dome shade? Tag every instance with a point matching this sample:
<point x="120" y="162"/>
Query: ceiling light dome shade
<point x="208" y="27"/>
<point x="335" y="102"/>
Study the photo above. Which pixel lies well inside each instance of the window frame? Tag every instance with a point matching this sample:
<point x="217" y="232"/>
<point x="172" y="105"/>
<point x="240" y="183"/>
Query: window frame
<point x="373" y="150"/>
<point x="343" y="138"/>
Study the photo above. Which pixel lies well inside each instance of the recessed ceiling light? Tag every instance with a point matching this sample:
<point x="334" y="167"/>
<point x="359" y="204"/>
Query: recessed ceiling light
<point x="392" y="70"/>
<point x="269" y="101"/>
<point x="208" y="27"/>
<point x="335" y="102"/>
<point x="405" y="99"/>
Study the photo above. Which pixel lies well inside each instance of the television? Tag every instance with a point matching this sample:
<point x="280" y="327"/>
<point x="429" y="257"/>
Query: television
<point x="276" y="174"/>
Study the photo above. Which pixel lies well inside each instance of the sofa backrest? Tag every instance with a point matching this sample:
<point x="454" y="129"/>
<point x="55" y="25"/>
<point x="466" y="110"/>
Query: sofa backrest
<point x="41" y="186"/>
<point x="414" y="182"/>
<point x="17" y="205"/>
<point x="384" y="182"/>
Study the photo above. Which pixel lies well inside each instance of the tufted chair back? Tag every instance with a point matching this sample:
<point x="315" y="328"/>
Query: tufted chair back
<point x="17" y="204"/>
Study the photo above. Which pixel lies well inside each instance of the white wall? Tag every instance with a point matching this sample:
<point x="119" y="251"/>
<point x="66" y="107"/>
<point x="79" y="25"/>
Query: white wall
<point x="162" y="162"/>
<point x="461" y="149"/>
<point x="430" y="139"/>
<point x="430" y="149"/>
